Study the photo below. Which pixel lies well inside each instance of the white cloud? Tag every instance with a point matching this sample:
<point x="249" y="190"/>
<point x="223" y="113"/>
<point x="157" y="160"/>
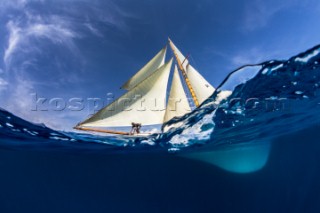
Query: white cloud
<point x="251" y="56"/>
<point x="236" y="58"/>
<point x="14" y="39"/>
<point x="60" y="29"/>
<point x="21" y="95"/>
<point x="3" y="82"/>
<point x="54" y="30"/>
<point x="93" y="30"/>
<point x="259" y="12"/>
<point x="22" y="35"/>
<point x="254" y="56"/>
<point x="21" y="102"/>
<point x="16" y="4"/>
<point x="26" y="28"/>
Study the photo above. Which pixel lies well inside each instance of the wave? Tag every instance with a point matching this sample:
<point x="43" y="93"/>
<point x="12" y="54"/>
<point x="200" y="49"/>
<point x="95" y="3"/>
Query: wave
<point x="255" y="103"/>
<point x="265" y="100"/>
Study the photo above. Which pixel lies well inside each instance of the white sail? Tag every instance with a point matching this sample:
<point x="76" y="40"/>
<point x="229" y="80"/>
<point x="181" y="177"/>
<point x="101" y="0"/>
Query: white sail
<point x="202" y="88"/>
<point x="147" y="70"/>
<point x="178" y="104"/>
<point x="143" y="104"/>
<point x="183" y="60"/>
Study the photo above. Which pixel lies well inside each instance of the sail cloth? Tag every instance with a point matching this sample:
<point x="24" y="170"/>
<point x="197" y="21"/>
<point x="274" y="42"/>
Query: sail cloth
<point x="154" y="64"/>
<point x="145" y="100"/>
<point x="202" y="88"/>
<point x="143" y="104"/>
<point x="183" y="60"/>
<point x="178" y="104"/>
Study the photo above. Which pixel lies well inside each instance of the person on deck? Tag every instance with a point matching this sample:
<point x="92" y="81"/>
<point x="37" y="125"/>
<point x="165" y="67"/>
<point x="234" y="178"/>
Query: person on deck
<point x="135" y="128"/>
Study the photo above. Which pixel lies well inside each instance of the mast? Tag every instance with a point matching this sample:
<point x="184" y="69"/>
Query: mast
<point x="184" y="74"/>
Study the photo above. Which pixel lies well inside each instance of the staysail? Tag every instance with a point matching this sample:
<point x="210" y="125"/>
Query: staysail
<point x="155" y="63"/>
<point x="178" y="104"/>
<point x="145" y="103"/>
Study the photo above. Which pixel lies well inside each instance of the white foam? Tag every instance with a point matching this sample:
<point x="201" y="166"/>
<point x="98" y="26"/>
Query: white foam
<point x="194" y="132"/>
<point x="239" y="111"/>
<point x="175" y="125"/>
<point x="9" y="125"/>
<point x="150" y="131"/>
<point x="277" y="67"/>
<point x="173" y="150"/>
<point x="59" y="138"/>
<point x="273" y="98"/>
<point x="223" y="95"/>
<point x="30" y="132"/>
<point x="308" y="57"/>
<point x="265" y="71"/>
<point x="148" y="142"/>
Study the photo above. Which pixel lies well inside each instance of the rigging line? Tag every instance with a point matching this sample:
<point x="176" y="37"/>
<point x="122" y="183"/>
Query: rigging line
<point x="193" y="62"/>
<point x="195" y="99"/>
<point x="185" y="59"/>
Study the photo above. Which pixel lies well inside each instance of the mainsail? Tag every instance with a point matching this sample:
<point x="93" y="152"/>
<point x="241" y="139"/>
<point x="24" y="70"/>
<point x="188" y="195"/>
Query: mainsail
<point x="178" y="104"/>
<point x="144" y="104"/>
<point x="154" y="64"/>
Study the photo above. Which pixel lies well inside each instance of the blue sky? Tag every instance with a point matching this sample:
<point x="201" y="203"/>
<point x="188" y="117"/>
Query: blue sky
<point x="86" y="49"/>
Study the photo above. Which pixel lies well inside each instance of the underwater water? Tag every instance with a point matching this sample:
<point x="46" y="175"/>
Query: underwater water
<point x="255" y="151"/>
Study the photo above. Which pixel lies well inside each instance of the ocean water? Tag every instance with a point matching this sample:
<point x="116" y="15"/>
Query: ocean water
<point x="252" y="147"/>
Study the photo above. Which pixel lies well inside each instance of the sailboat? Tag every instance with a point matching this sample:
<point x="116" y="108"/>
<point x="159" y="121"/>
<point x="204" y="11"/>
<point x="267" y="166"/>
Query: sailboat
<point x="146" y="102"/>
